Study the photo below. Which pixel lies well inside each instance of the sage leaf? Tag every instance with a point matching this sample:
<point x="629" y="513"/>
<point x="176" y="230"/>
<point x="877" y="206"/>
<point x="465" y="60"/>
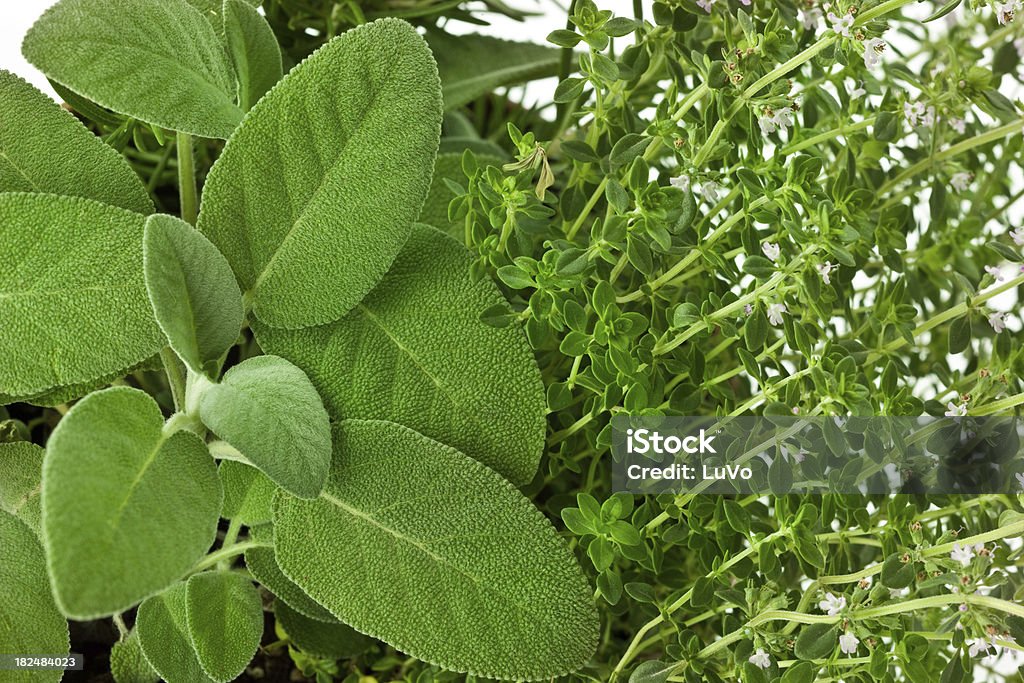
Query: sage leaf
<point x="410" y="533"/>
<point x="158" y="61"/>
<point x="331" y="641"/>
<point x="162" y="623"/>
<point x="193" y="292"/>
<point x="248" y="493"/>
<point x="128" y="508"/>
<point x="314" y="194"/>
<point x="44" y="148"/>
<point x="254" y="51"/>
<point x="84" y="316"/>
<point x="21" y="473"/>
<point x="268" y="409"/>
<point x="128" y="664"/>
<point x="225" y="621"/>
<point x="416" y="352"/>
<point x="264" y="568"/>
<point x="29" y="621"/>
<point x="473" y="65"/>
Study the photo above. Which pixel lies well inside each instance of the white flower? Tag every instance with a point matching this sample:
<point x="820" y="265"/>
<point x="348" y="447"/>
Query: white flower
<point x="896" y="593"/>
<point x="832" y="605"/>
<point x="996" y="272"/>
<point x="825" y="269"/>
<point x="775" y="312"/>
<point x="960" y="181"/>
<point x="961" y="554"/>
<point x="998" y="321"/>
<point x="928" y="120"/>
<point x="710" y="191"/>
<point x="913" y="112"/>
<point x="798" y="455"/>
<point x="767" y="125"/>
<point x="1005" y="11"/>
<point x="873" y="50"/>
<point x="760" y="659"/>
<point x="857" y="91"/>
<point x="848" y="643"/>
<point x="748" y="309"/>
<point x="745" y="2"/>
<point x="706" y="5"/>
<point x="953" y="410"/>
<point x="682" y="182"/>
<point x="1020" y="479"/>
<point x="978" y="645"/>
<point x="810" y="18"/>
<point x="841" y="25"/>
<point x="959" y="125"/>
<point x="1017" y="236"/>
<point x="783" y="118"/>
<point x="771" y="250"/>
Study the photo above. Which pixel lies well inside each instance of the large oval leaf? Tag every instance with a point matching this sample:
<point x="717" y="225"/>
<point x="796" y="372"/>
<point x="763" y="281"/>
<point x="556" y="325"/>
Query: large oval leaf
<point x="225" y="622"/>
<point x="162" y="623"/>
<point x="128" y="507"/>
<point x="315" y="192"/>
<point x="333" y="641"/>
<point x="263" y="566"/>
<point x="410" y="533"/>
<point x="253" y="49"/>
<point x="416" y="352"/>
<point x="155" y="60"/>
<point x="128" y="664"/>
<point x="29" y="621"/>
<point x="44" y="148"/>
<point x="73" y="319"/>
<point x="21" y="474"/>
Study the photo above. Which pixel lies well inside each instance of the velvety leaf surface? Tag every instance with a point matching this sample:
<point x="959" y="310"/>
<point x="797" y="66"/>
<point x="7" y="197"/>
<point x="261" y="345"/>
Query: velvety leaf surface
<point x="248" y="493"/>
<point x="162" y="623"/>
<point x="334" y="641"/>
<point x="253" y="49"/>
<point x="159" y="61"/>
<point x="410" y="533"/>
<point x="314" y="194"/>
<point x="76" y="318"/>
<point x="194" y="295"/>
<point x="416" y="352"/>
<point x="21" y="473"/>
<point x="263" y="566"/>
<point x="128" y="664"/>
<point x="127" y="507"/>
<point x="435" y="209"/>
<point x="268" y="409"/>
<point x="473" y="65"/>
<point x="44" y="148"/>
<point x="225" y="621"/>
<point x="68" y="392"/>
<point x="29" y="621"/>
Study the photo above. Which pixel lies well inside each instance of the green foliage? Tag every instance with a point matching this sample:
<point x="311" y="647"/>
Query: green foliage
<point x="263" y="566"/>
<point x="128" y="664"/>
<point x="29" y="621"/>
<point x="21" y="474"/>
<point x="248" y="493"/>
<point x="128" y="507"/>
<point x="291" y="203"/>
<point x="44" y="149"/>
<point x="416" y="352"/>
<point x="162" y="624"/>
<point x="177" y="77"/>
<point x="330" y="640"/>
<point x="195" y="298"/>
<point x="78" y="319"/>
<point x="268" y="409"/>
<point x="225" y="622"/>
<point x="485" y="561"/>
<point x="448" y="169"/>
<point x="254" y="51"/>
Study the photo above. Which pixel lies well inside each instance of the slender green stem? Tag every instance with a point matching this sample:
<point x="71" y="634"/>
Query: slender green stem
<point x="795" y="147"/>
<point x="175" y="371"/>
<point x="230" y="536"/>
<point x="227" y="552"/>
<point x="187" y="188"/>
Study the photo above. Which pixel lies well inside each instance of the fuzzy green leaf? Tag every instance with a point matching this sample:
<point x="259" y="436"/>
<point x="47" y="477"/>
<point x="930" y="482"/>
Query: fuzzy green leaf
<point x="43" y="148"/>
<point x="416" y="352"/>
<point x="313" y="196"/>
<point x="332" y="641"/>
<point x="162" y="623"/>
<point x="253" y="49"/>
<point x="410" y="533"/>
<point x="248" y="493"/>
<point x="264" y="568"/>
<point x="128" y="664"/>
<point x="194" y="295"/>
<point x="84" y="316"/>
<point x="21" y="473"/>
<point x="225" y="621"/>
<point x="268" y="409"/>
<point x="128" y="507"/>
<point x="158" y="61"/>
<point x="473" y="65"/>
<point x="29" y="621"/>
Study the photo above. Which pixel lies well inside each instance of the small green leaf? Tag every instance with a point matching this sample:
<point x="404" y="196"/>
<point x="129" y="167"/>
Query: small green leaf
<point x="960" y="334"/>
<point x="225" y="622"/>
<point x="415" y="352"/>
<point x="84" y="316"/>
<point x="264" y="568"/>
<point x="485" y="561"/>
<point x="896" y="573"/>
<point x="116" y="485"/>
<point x="158" y="61"/>
<point x="253" y="49"/>
<point x="29" y="621"/>
<point x="248" y="493"/>
<point x="128" y="664"/>
<point x="268" y="409"/>
<point x="162" y="623"/>
<point x="801" y="672"/>
<point x="194" y="295"/>
<point x="314" y="194"/>
<point x="816" y="641"/>
<point x="332" y="641"/>
<point x="43" y="148"/>
<point x="652" y="672"/>
<point x="435" y="209"/>
<point x="21" y="473"/>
